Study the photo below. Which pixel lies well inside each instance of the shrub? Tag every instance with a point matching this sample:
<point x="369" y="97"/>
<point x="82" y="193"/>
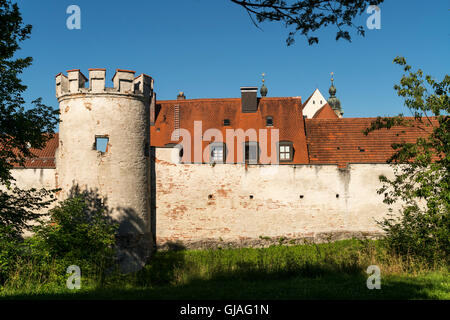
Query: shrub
<point x="77" y="234"/>
<point x="9" y="250"/>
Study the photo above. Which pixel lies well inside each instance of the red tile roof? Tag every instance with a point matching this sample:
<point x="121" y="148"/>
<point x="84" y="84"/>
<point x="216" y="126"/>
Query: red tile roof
<point x="286" y="114"/>
<point x="316" y="141"/>
<point x="45" y="158"/>
<point x="341" y="141"/>
<point x="326" y="112"/>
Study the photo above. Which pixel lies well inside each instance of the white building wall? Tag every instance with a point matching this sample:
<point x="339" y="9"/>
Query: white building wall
<point x="316" y="102"/>
<point x="203" y="205"/>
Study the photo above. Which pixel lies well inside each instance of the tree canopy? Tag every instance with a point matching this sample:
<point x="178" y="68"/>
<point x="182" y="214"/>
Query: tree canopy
<point x="20" y="129"/>
<point x="307" y="16"/>
<point x="421" y="182"/>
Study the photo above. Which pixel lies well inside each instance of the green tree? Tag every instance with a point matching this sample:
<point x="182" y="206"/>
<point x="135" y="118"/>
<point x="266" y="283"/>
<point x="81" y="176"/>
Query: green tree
<point x="422" y="176"/>
<point x="307" y="16"/>
<point x="21" y="130"/>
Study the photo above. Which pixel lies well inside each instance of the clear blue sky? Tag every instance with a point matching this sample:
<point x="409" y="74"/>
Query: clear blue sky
<point x="209" y="48"/>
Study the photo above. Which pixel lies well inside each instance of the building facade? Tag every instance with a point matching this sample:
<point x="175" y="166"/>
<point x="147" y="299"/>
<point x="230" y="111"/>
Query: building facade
<point x="197" y="173"/>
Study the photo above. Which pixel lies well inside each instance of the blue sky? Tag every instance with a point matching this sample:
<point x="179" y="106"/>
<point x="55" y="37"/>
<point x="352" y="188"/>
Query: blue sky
<point x="210" y="48"/>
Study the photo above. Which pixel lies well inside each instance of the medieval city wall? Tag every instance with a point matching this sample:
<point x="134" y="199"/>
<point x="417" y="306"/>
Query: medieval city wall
<point x="34" y="178"/>
<point x="205" y="205"/>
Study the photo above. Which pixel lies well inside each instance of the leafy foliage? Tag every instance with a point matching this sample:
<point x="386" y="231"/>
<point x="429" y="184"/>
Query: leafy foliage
<point x="20" y="129"/>
<point x="422" y="178"/>
<point x="308" y="16"/>
<point x="77" y="233"/>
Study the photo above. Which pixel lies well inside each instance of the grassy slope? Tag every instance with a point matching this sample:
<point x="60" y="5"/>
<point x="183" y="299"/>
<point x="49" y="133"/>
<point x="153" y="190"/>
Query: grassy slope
<point x="327" y="271"/>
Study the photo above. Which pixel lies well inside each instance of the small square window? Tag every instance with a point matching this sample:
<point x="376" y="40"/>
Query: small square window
<point x="101" y="143"/>
<point x="226" y="122"/>
<point x="269" y="121"/>
<point x="285" y="151"/>
<point x="218" y="153"/>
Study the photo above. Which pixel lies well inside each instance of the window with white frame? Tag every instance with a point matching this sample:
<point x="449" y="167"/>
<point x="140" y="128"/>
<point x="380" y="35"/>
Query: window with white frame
<point x="217" y="152"/>
<point x="285" y="151"/>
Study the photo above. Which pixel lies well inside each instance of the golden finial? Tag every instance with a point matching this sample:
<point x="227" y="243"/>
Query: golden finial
<point x="263" y="75"/>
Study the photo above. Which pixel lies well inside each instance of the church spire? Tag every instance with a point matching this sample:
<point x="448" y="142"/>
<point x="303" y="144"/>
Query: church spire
<point x="334" y="102"/>
<point x="264" y="89"/>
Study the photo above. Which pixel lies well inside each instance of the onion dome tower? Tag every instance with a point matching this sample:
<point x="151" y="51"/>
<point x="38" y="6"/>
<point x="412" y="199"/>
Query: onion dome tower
<point x="333" y="101"/>
<point x="263" y="89"/>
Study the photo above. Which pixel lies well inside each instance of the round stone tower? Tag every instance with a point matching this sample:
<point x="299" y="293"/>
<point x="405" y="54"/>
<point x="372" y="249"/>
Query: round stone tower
<point x="104" y="151"/>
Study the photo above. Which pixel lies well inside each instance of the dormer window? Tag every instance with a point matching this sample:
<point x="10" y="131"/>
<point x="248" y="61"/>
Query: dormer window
<point x="285" y="151"/>
<point x="269" y="122"/>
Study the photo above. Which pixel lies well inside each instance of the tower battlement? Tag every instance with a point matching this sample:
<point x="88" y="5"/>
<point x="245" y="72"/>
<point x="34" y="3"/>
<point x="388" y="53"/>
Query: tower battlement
<point x="124" y="82"/>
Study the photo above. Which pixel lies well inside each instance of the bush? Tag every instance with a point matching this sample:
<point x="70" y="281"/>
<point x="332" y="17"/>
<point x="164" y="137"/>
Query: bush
<point x="419" y="234"/>
<point x="9" y="250"/>
<point x="76" y="234"/>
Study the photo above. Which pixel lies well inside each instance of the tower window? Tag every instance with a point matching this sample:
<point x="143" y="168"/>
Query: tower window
<point x="101" y="143"/>
<point x="269" y="121"/>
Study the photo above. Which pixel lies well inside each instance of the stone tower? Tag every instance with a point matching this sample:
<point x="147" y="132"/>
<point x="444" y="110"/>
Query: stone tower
<point x="104" y="147"/>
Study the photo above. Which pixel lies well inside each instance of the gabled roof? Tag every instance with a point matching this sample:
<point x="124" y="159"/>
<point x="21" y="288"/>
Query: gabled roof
<point x="326" y="112"/>
<point x="315" y="101"/>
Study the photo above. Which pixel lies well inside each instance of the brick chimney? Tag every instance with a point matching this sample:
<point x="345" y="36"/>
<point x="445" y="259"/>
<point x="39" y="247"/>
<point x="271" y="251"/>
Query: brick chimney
<point x="181" y="96"/>
<point x="249" y="99"/>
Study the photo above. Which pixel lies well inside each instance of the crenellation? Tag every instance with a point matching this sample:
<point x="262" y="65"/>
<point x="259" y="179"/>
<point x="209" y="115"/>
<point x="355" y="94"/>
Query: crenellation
<point x="77" y="80"/>
<point x="124" y="82"/>
<point x="143" y="84"/>
<point x="62" y="84"/>
<point x="97" y="80"/>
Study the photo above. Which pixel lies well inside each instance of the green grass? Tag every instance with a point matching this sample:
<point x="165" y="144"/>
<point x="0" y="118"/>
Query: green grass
<point x="327" y="271"/>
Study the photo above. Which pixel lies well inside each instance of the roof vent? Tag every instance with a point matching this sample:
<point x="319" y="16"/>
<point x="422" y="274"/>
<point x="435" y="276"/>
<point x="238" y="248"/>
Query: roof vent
<point x="249" y="99"/>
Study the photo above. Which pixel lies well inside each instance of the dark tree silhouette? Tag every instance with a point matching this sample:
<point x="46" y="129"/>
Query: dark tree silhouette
<point x="21" y="130"/>
<point x="307" y="16"/>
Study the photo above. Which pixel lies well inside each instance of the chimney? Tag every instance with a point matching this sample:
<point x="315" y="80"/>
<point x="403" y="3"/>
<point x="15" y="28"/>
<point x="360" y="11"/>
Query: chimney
<point x="249" y="99"/>
<point x="181" y="96"/>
